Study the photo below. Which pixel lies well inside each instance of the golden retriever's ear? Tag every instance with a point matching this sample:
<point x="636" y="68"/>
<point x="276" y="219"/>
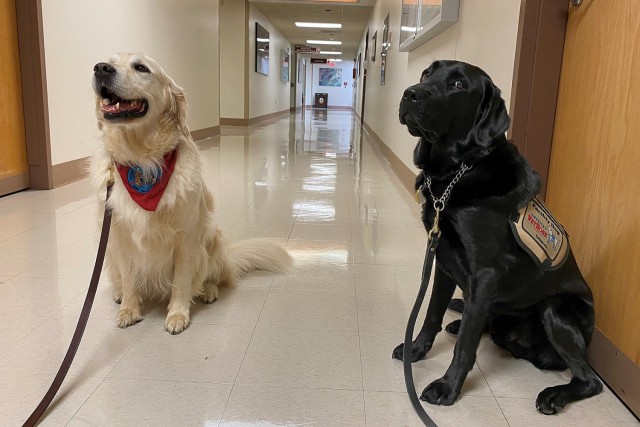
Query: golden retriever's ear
<point x="492" y="118"/>
<point x="176" y="112"/>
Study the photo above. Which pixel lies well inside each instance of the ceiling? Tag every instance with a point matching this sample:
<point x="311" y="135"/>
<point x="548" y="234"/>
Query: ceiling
<point x="354" y="19"/>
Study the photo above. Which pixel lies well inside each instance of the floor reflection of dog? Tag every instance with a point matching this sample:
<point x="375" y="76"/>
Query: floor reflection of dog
<point x="544" y="316"/>
<point x="164" y="238"/>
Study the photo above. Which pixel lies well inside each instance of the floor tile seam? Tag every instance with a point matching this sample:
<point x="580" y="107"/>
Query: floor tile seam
<point x="164" y="380"/>
<point x="44" y="320"/>
<point x="105" y="376"/>
<point x="320" y="328"/>
<point x="492" y="392"/>
<point x="27" y="230"/>
<point x="364" y="403"/>
<point x="299" y="387"/>
<point x="235" y="380"/>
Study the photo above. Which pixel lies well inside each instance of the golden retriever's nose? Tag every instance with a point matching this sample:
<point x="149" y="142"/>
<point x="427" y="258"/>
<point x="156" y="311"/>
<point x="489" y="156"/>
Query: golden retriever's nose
<point x="102" y="69"/>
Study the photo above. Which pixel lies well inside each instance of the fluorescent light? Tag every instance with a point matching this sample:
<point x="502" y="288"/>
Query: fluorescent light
<point x="262" y="40"/>
<point x="334" y="42"/>
<point x="408" y="29"/>
<point x="336" y="60"/>
<point x="326" y="52"/>
<point x="317" y="25"/>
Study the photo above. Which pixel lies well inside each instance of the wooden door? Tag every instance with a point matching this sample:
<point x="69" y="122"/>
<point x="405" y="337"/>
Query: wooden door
<point x="594" y="177"/>
<point x="14" y="171"/>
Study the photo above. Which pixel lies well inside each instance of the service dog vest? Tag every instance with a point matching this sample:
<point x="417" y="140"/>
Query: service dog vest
<point x="541" y="235"/>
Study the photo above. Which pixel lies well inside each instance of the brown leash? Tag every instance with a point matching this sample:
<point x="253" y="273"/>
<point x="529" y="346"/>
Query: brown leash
<point x="82" y="321"/>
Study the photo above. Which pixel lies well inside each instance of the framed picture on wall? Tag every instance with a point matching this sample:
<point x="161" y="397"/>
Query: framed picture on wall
<point x="374" y="42"/>
<point x="383" y="51"/>
<point x="262" y="50"/>
<point x="424" y="19"/>
<point x="284" y="74"/>
<point x="385" y="37"/>
<point x="330" y="77"/>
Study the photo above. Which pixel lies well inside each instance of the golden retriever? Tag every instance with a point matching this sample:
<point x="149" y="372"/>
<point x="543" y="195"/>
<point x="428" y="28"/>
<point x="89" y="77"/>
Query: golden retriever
<point x="164" y="239"/>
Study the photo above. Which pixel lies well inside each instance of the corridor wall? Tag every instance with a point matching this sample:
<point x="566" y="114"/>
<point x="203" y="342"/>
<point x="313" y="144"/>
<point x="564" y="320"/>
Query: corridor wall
<point x="182" y="36"/>
<point x="485" y="35"/>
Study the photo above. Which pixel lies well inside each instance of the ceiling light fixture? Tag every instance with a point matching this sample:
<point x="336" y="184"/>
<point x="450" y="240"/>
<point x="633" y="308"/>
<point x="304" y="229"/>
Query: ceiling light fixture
<point x="317" y="25"/>
<point x="326" y="52"/>
<point x="333" y="42"/>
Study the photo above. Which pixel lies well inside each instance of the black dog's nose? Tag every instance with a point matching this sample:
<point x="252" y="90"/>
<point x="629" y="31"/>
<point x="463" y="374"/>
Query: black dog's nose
<point x="102" y="69"/>
<point x="410" y="94"/>
<point x="417" y="92"/>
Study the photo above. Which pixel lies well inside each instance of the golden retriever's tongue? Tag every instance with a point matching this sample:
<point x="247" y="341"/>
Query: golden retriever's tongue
<point x="117" y="107"/>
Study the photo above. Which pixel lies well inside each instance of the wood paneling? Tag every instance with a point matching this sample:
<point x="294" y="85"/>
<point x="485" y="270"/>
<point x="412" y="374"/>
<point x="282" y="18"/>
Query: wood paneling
<point x="594" y="178"/>
<point x="13" y="152"/>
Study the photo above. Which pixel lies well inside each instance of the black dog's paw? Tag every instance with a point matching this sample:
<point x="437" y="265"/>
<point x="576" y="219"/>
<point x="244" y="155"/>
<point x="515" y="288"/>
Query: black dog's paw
<point x="440" y="392"/>
<point x="457" y="305"/>
<point x="550" y="401"/>
<point x="453" y="327"/>
<point x="418" y="352"/>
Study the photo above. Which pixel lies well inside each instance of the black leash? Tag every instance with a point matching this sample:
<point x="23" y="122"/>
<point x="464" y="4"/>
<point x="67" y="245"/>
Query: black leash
<point x="434" y="238"/>
<point x="82" y="321"/>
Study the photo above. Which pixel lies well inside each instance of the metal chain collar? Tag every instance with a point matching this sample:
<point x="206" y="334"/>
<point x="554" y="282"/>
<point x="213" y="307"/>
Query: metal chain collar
<point x="438" y="202"/>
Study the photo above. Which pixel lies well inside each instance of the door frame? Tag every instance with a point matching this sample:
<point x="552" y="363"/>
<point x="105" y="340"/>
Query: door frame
<point x="34" y="93"/>
<point x="536" y="80"/>
<point x="364" y="76"/>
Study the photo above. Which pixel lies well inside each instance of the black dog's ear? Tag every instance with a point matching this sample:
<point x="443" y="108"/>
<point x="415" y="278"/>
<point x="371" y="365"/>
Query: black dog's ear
<point x="492" y="118"/>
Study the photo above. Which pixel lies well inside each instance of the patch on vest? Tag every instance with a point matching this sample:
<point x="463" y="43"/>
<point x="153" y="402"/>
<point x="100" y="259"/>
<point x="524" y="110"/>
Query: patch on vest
<point x="541" y="235"/>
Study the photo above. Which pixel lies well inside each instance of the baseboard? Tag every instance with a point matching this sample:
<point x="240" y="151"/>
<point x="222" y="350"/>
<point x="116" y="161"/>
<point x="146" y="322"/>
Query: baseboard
<point x="205" y="133"/>
<point x="270" y="116"/>
<point x="406" y="176"/>
<point x="234" y="122"/>
<point x="68" y="172"/>
<point x="620" y="373"/>
<point x="15" y="183"/>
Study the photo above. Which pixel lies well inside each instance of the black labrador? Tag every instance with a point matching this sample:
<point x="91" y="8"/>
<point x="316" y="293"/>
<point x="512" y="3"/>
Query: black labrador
<point x="541" y="315"/>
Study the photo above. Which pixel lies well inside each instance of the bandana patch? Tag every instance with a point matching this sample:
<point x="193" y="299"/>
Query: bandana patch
<point x="147" y="189"/>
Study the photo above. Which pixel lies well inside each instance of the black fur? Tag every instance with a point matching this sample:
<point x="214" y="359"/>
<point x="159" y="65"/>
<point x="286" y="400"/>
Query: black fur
<point x="544" y="317"/>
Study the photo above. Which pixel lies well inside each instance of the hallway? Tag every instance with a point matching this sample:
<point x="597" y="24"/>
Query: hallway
<point x="312" y="347"/>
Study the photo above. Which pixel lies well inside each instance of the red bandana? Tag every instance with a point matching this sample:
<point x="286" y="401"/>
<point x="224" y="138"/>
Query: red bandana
<point x="148" y="190"/>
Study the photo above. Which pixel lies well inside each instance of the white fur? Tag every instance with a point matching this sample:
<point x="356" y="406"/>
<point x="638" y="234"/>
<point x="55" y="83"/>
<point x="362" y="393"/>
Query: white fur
<point x="178" y="250"/>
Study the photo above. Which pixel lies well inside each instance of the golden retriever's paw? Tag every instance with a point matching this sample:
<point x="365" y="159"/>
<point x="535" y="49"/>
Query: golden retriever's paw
<point x="176" y="323"/>
<point x="210" y="293"/>
<point x="127" y="317"/>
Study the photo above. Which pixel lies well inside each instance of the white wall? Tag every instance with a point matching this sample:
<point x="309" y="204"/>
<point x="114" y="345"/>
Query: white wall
<point x="338" y="96"/>
<point x="182" y="36"/>
<point x="485" y="35"/>
<point x="233" y="28"/>
<point x="267" y="94"/>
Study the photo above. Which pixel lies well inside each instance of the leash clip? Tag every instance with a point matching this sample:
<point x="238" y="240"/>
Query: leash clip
<point x="435" y="230"/>
<point x="112" y="177"/>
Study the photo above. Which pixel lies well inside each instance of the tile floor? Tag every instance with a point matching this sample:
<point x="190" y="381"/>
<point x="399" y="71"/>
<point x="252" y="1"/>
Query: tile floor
<point x="311" y="348"/>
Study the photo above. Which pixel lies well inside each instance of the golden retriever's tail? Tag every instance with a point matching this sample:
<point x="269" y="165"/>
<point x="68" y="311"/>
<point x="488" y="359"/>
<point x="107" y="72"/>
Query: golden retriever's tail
<point x="259" y="254"/>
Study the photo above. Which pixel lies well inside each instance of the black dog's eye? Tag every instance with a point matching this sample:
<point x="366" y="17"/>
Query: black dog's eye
<point x="425" y="75"/>
<point x="459" y="84"/>
<point x="141" y="68"/>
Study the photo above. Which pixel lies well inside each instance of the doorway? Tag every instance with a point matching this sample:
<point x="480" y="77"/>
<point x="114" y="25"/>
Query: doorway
<point x="575" y="95"/>
<point x="14" y="169"/>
